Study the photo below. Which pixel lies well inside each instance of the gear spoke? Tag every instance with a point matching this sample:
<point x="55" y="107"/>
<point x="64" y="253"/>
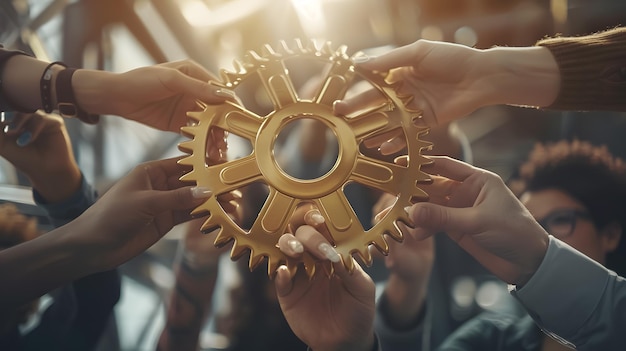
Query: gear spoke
<point x="278" y="84"/>
<point x="233" y="175"/>
<point x="236" y="119"/>
<point x="336" y="83"/>
<point x="273" y="216"/>
<point x="378" y="174"/>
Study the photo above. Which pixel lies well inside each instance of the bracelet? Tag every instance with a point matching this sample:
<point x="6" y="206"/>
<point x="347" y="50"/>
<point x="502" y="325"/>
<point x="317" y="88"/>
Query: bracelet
<point x="66" y="102"/>
<point x="45" y="86"/>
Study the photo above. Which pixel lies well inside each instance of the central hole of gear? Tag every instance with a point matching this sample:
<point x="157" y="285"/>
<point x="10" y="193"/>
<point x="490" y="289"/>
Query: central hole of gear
<point x="306" y="149"/>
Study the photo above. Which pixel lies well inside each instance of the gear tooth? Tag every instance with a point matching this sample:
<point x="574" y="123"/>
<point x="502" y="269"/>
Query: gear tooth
<point x="188" y="177"/>
<point x="237" y="250"/>
<point x="284" y="48"/>
<point x="366" y="256"/>
<point x="326" y="49"/>
<point x="342" y="51"/>
<point x="239" y="68"/>
<point x="311" y="46"/>
<point x="255" y="260"/>
<point x="381" y="244"/>
<point x="272" y="265"/>
<point x="189" y="130"/>
<point x="186" y="145"/>
<point x="268" y="51"/>
<point x="222" y="238"/>
<point x="197" y="115"/>
<point x="349" y="264"/>
<point x="395" y="233"/>
<point x="299" y="46"/>
<point x="252" y="58"/>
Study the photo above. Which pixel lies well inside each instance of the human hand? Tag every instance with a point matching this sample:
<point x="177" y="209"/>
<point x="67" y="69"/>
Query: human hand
<point x="326" y="313"/>
<point x="38" y="145"/>
<point x="158" y="96"/>
<point x="442" y="79"/>
<point x="447" y="81"/>
<point x="137" y="211"/>
<point x="478" y="211"/>
<point x="410" y="264"/>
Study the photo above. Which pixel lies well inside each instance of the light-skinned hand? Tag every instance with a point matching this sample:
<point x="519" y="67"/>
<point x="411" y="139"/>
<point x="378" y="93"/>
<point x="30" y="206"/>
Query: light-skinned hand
<point x="478" y="211"/>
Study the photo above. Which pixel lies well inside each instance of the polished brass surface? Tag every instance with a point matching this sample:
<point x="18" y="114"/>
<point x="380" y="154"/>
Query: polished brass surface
<point x="346" y="232"/>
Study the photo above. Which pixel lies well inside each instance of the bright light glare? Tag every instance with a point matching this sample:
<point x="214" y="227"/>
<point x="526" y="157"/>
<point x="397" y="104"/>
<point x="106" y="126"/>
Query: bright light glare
<point x="311" y="16"/>
<point x="199" y="14"/>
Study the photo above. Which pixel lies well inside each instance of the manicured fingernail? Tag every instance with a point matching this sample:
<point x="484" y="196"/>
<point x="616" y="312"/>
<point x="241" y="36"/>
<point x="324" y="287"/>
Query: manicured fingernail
<point x="225" y="93"/>
<point x="7" y="117"/>
<point x="329" y="252"/>
<point x="407" y="209"/>
<point x="314" y="216"/>
<point x="360" y="58"/>
<point x="386" y="147"/>
<point x="200" y="192"/>
<point x="295" y="246"/>
<point x="24" y="138"/>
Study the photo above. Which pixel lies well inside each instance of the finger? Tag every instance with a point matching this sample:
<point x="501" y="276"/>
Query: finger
<point x="156" y="202"/>
<point x="192" y="69"/>
<point x="35" y="125"/>
<point x="368" y="100"/>
<point x="198" y="89"/>
<point x="17" y="125"/>
<point x="283" y="282"/>
<point x="435" y="218"/>
<point x="450" y="168"/>
<point x="290" y="245"/>
<point x="392" y="146"/>
<point x="314" y="242"/>
<point x="379" y="139"/>
<point x="407" y="55"/>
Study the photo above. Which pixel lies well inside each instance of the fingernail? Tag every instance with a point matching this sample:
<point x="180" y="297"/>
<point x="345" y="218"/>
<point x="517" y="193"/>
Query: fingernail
<point x="9" y="127"/>
<point x="314" y="216"/>
<point x="329" y="252"/>
<point x="7" y="117"/>
<point x="295" y="246"/>
<point x="408" y="210"/>
<point x="24" y="138"/>
<point x="360" y="58"/>
<point x="200" y="192"/>
<point x="225" y="93"/>
<point x="386" y="147"/>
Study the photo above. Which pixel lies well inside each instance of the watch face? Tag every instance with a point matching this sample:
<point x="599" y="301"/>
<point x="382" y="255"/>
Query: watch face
<point x="67" y="110"/>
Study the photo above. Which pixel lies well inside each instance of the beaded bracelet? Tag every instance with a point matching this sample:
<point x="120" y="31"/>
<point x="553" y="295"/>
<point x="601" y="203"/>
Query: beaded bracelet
<point x="45" y="86"/>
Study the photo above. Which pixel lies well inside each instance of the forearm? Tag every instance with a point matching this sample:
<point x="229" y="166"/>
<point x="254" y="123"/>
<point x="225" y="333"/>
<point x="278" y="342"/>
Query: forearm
<point x="38" y="266"/>
<point x="188" y="307"/>
<point x="404" y="302"/>
<point x="526" y="76"/>
<point x="21" y="77"/>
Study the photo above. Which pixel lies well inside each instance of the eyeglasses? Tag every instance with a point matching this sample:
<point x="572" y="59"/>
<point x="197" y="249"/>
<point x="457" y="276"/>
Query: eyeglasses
<point x="561" y="223"/>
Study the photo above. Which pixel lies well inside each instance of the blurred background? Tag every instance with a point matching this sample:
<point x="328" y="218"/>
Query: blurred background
<point x="119" y="35"/>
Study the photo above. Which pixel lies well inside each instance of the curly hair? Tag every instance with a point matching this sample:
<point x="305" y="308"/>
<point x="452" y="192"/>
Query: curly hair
<point x="588" y="173"/>
<point x="15" y="228"/>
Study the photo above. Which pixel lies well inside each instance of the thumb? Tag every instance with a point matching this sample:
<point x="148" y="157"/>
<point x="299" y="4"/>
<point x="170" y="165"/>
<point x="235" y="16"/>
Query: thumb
<point x="437" y="218"/>
<point x="158" y="201"/>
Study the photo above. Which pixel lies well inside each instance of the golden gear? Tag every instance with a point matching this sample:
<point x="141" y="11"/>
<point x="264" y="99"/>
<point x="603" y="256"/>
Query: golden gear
<point x="285" y="192"/>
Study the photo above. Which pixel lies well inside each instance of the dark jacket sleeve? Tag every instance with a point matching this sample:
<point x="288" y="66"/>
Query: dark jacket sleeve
<point x="85" y="306"/>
